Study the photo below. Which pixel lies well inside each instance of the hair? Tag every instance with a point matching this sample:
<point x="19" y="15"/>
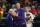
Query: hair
<point x="27" y="7"/>
<point x="13" y="4"/>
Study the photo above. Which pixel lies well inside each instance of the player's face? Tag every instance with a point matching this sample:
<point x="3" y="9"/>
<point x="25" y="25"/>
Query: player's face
<point x="13" y="6"/>
<point x="10" y="11"/>
<point x="26" y="9"/>
<point x="18" y="5"/>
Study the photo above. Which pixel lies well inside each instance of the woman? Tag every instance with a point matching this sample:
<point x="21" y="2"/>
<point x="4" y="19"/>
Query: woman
<point x="29" y="17"/>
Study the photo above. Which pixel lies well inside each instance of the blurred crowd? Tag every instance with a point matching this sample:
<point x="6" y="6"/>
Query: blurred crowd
<point x="34" y="6"/>
<point x="31" y="9"/>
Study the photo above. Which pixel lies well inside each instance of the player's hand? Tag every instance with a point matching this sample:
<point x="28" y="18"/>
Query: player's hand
<point x="15" y="14"/>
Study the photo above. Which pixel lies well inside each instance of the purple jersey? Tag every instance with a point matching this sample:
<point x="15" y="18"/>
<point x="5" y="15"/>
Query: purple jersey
<point x="9" y="22"/>
<point x="20" y="20"/>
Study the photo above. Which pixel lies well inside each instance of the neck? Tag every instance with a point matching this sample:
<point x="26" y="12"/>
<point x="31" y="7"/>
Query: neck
<point x="18" y="8"/>
<point x="27" y="12"/>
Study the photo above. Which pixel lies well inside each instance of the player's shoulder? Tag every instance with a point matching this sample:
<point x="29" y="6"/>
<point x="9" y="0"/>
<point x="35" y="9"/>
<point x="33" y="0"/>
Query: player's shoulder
<point x="8" y="14"/>
<point x="30" y="13"/>
<point x="22" y="9"/>
<point x="10" y="9"/>
<point x="16" y="10"/>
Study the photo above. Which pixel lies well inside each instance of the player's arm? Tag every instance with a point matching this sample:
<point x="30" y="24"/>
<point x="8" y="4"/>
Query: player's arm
<point x="32" y="18"/>
<point x="15" y="14"/>
<point x="12" y="12"/>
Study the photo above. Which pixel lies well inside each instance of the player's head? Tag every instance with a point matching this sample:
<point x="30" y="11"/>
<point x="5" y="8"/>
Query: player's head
<point x="18" y="5"/>
<point x="13" y="6"/>
<point x="10" y="11"/>
<point x="26" y="8"/>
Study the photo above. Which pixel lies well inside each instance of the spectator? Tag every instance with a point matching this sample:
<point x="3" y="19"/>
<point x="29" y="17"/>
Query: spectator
<point x="38" y="10"/>
<point x="37" y="21"/>
<point x="33" y="11"/>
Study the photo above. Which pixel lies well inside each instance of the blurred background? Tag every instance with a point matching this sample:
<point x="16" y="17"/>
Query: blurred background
<point x="5" y="5"/>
